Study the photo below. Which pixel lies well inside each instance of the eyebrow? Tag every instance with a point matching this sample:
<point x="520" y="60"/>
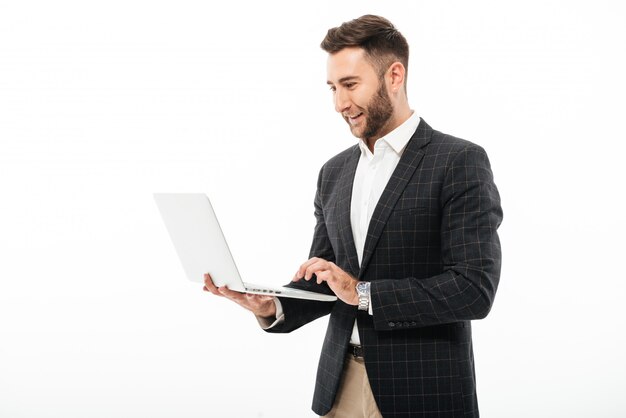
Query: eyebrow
<point x="344" y="79"/>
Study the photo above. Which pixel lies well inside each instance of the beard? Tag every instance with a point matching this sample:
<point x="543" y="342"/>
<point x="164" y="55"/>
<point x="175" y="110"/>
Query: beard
<point x="378" y="112"/>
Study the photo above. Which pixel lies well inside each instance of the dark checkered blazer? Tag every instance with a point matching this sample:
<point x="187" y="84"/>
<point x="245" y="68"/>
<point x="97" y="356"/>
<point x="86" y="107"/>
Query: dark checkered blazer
<point x="432" y="256"/>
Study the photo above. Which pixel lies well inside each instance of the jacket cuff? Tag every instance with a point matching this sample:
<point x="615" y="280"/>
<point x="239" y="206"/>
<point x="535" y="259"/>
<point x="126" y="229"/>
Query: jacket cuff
<point x="270" y="322"/>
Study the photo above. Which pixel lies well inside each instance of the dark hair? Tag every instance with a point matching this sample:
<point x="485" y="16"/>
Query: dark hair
<point x="382" y="42"/>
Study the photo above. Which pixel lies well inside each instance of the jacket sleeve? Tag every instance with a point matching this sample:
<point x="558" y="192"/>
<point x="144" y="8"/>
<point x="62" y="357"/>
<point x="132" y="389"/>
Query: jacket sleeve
<point x="470" y="255"/>
<point x="299" y="312"/>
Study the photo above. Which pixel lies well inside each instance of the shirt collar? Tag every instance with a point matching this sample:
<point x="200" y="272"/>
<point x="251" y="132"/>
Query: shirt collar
<point x="396" y="139"/>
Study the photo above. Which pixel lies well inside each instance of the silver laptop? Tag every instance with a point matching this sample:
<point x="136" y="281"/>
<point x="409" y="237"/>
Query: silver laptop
<point x="202" y="248"/>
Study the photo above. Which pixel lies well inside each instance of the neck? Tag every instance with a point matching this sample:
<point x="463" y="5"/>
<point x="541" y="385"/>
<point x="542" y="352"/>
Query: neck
<point x="397" y="119"/>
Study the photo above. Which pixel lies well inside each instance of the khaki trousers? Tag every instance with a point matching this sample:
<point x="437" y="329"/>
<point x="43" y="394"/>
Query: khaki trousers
<point x="354" y="397"/>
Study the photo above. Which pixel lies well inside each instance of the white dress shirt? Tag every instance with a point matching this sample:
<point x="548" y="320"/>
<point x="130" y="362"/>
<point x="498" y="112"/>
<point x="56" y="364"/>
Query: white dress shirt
<point x="373" y="172"/>
<point x="372" y="175"/>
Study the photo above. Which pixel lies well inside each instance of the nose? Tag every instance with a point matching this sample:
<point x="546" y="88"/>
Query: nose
<point x="342" y="102"/>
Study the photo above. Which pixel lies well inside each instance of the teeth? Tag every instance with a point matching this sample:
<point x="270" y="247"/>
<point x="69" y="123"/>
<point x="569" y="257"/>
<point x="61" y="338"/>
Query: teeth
<point x="352" y="119"/>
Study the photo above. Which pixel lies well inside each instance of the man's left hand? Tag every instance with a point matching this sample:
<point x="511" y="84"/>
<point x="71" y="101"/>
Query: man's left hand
<point x="342" y="283"/>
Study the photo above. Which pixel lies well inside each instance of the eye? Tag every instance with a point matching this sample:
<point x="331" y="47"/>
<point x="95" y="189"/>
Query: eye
<point x="350" y="86"/>
<point x="333" y="88"/>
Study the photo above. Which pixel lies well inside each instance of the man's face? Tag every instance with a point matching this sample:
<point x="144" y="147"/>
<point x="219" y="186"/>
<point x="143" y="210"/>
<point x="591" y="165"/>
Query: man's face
<point x="359" y="94"/>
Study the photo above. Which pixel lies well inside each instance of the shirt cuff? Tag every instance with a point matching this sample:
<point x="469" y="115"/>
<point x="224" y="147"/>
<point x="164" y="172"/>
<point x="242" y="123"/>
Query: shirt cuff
<point x="267" y="323"/>
<point x="370" y="308"/>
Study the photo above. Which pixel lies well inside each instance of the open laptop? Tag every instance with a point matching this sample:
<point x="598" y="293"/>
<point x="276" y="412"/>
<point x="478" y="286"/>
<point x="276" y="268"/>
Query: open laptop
<point x="202" y="248"/>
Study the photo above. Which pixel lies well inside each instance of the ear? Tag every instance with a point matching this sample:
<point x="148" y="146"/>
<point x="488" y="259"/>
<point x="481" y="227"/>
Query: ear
<point x="396" y="76"/>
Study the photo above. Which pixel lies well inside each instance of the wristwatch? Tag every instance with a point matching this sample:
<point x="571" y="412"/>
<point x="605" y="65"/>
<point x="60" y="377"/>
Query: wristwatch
<point x="363" y="291"/>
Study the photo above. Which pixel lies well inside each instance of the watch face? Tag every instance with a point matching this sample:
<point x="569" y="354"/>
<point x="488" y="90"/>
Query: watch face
<point x="361" y="287"/>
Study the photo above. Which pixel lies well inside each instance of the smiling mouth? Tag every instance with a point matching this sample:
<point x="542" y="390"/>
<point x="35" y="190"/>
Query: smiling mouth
<point x="353" y="120"/>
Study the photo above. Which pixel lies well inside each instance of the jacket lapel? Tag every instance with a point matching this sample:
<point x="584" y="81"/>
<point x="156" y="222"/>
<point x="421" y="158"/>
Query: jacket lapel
<point x="344" y="200"/>
<point x="409" y="161"/>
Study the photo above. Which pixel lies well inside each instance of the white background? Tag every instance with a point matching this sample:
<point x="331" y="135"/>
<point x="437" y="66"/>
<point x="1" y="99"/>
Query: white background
<point x="104" y="103"/>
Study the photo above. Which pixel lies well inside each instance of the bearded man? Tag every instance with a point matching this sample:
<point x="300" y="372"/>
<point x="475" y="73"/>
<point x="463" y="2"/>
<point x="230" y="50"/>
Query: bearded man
<point x="406" y="238"/>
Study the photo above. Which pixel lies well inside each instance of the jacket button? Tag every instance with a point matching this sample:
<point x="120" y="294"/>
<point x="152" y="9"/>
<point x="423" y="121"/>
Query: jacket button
<point x="392" y="324"/>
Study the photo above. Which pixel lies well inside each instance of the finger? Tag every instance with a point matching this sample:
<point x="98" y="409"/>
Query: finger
<point x="305" y="265"/>
<point x="230" y="294"/>
<point x="327" y="276"/>
<point x="215" y="292"/>
<point x="319" y="266"/>
<point x="297" y="276"/>
<point x="209" y="285"/>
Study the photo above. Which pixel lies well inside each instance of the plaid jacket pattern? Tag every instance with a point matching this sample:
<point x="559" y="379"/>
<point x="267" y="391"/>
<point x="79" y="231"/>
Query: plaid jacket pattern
<point x="433" y="258"/>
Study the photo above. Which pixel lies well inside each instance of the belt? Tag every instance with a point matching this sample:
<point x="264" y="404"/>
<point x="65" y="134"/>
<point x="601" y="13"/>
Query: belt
<point x="355" y="350"/>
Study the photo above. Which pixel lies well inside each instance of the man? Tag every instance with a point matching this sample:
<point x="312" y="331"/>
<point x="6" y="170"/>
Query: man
<point x="405" y="237"/>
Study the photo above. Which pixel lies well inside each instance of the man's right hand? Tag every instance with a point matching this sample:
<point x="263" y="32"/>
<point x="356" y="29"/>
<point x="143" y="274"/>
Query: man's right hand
<point x="260" y="305"/>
